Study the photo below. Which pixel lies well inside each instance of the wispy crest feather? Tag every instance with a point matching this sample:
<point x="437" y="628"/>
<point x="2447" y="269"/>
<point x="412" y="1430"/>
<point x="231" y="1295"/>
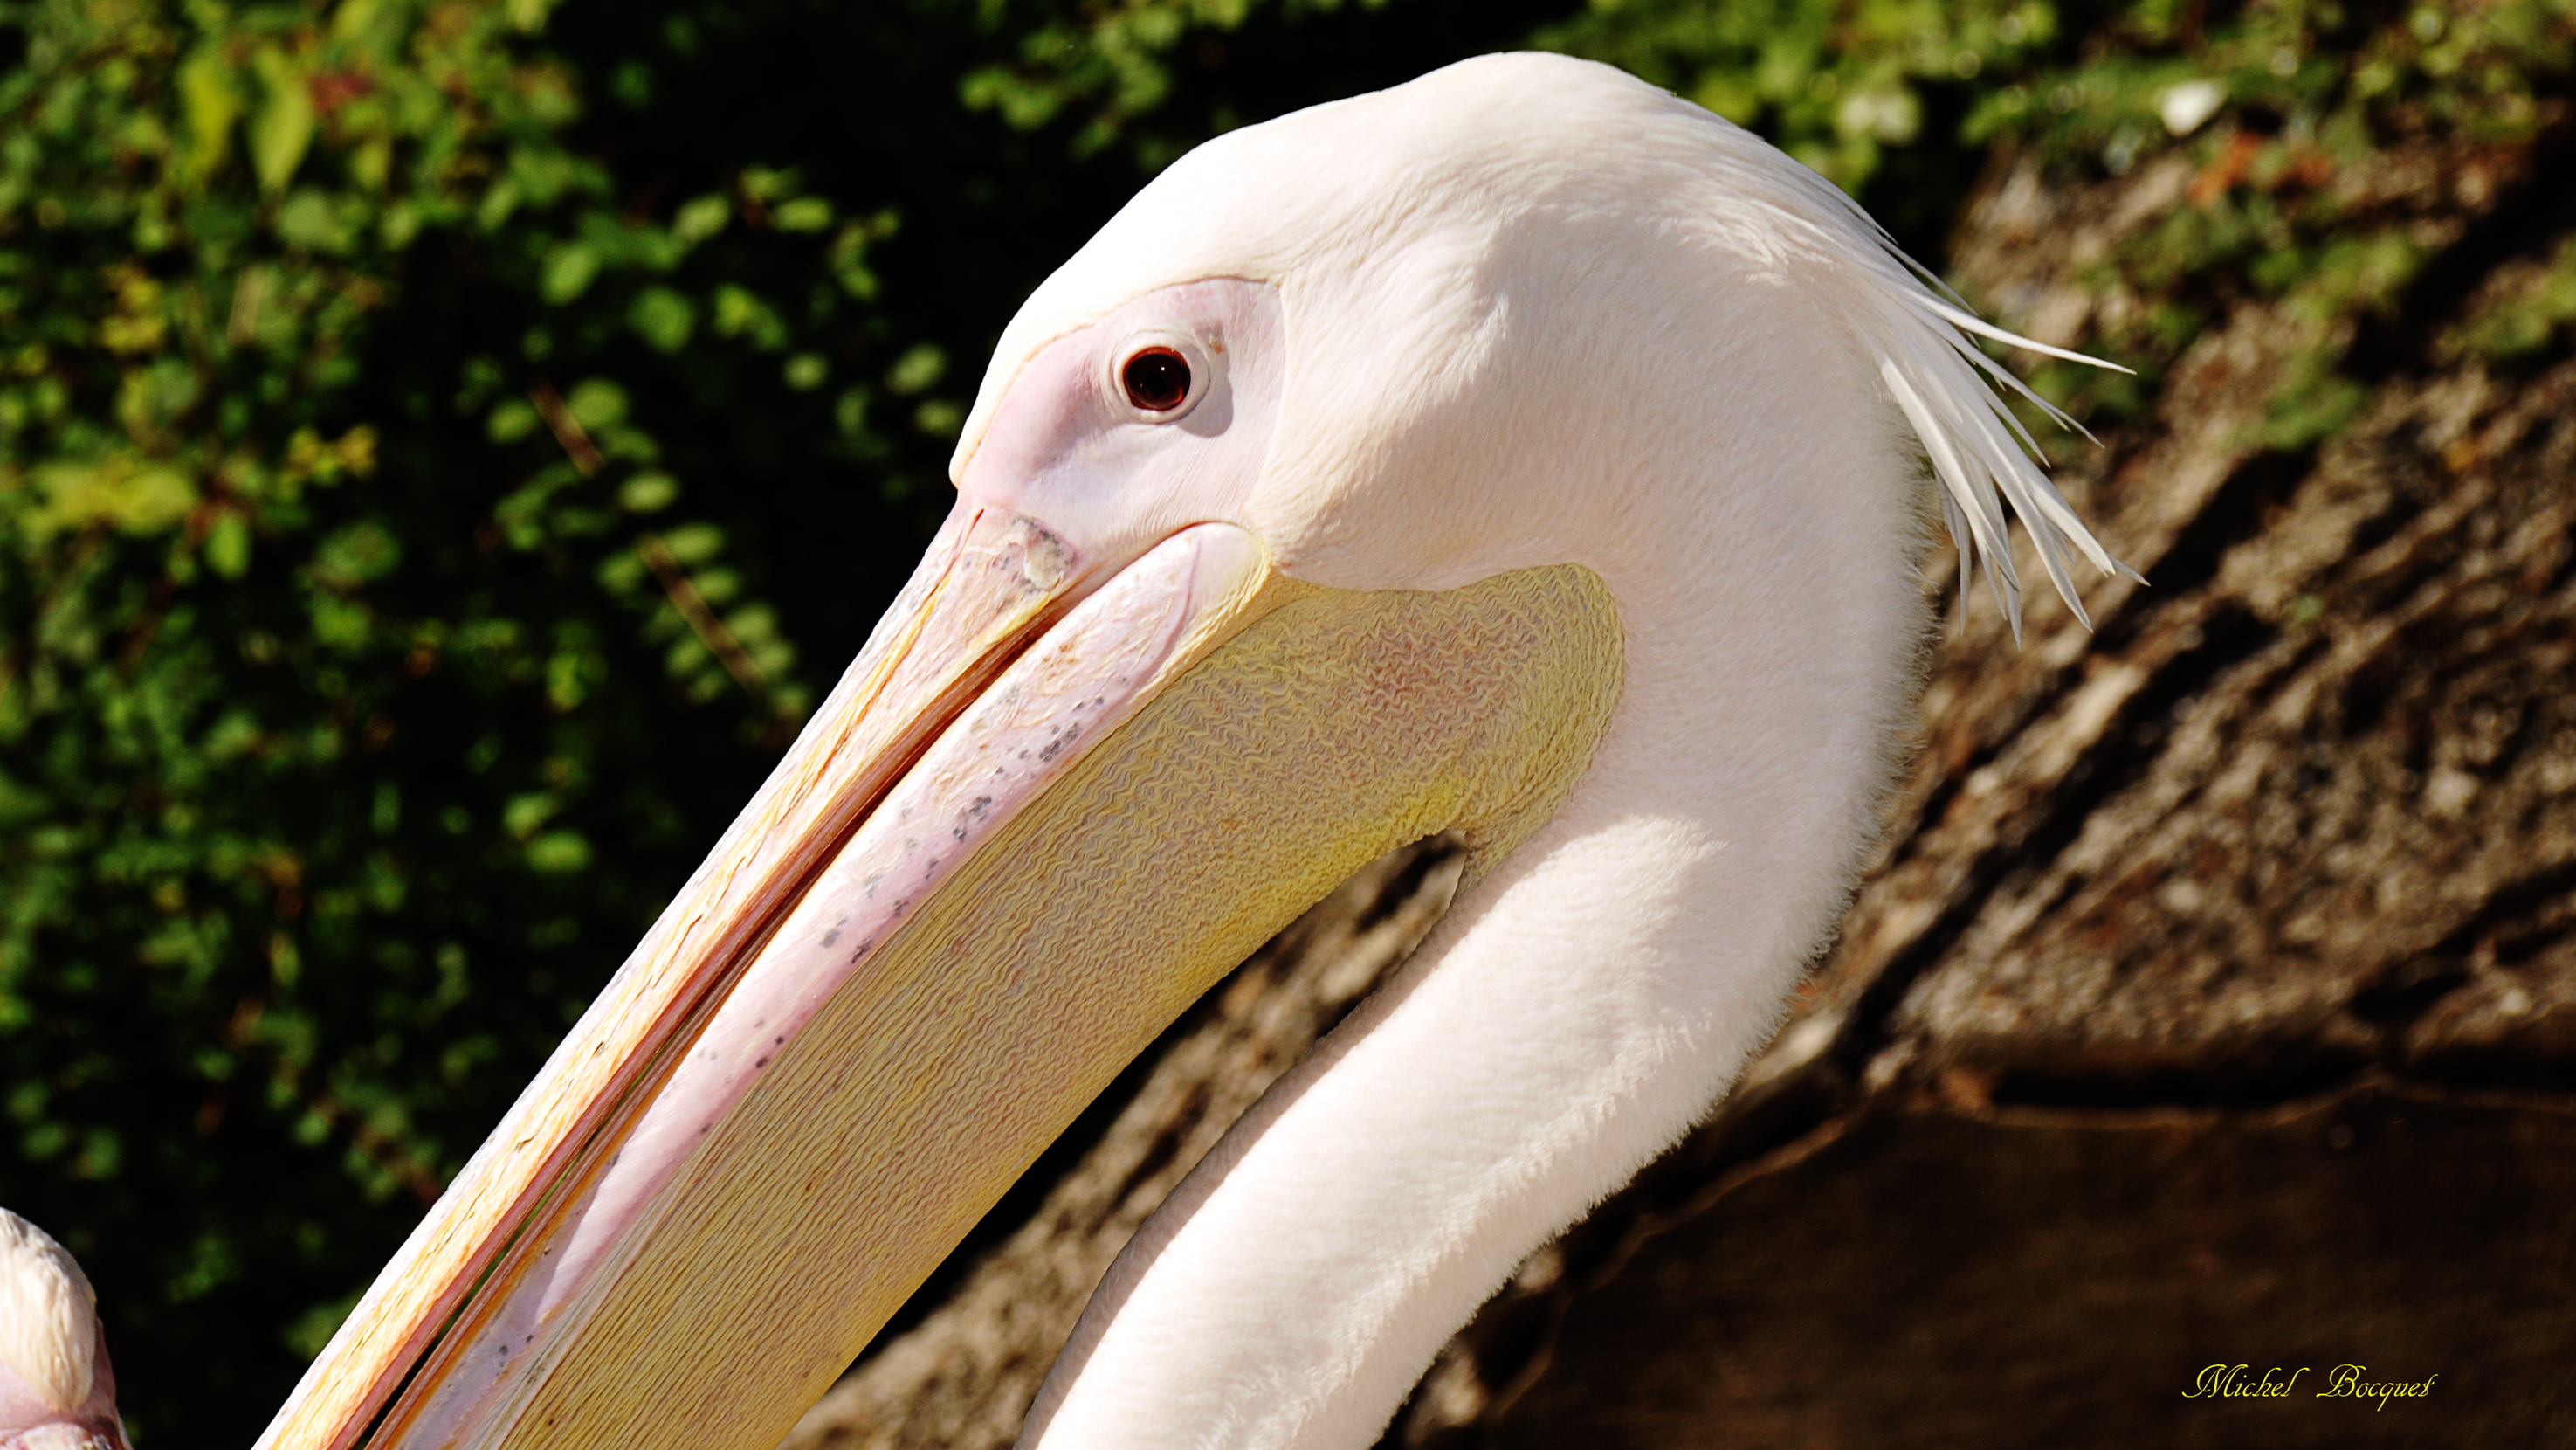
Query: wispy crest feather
<point x="1921" y="336"/>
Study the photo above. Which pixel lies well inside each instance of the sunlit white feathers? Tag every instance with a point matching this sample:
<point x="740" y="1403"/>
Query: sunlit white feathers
<point x="48" y="1314"/>
<point x="1384" y="218"/>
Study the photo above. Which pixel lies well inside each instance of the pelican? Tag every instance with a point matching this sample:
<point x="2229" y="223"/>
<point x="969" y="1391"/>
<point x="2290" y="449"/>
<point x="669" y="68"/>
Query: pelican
<point x="57" y="1389"/>
<point x="1520" y="452"/>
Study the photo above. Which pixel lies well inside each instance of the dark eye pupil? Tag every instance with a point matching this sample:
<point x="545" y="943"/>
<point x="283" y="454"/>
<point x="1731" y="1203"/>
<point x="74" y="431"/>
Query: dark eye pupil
<point x="1157" y="379"/>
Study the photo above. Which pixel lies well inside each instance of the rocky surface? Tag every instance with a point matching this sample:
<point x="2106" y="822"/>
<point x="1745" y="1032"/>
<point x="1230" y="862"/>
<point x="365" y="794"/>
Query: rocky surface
<point x="2213" y="999"/>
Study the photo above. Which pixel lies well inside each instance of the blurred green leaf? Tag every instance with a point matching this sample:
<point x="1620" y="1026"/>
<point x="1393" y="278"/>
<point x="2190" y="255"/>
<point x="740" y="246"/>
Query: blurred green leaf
<point x="228" y="545"/>
<point x="122" y="490"/>
<point x="282" y="128"/>
<point x="512" y="420"/>
<point x="663" y="317"/>
<point x="596" y="403"/>
<point x="921" y="367"/>
<point x="700" y="218"/>
<point x="569" y="272"/>
<point x="315" y="219"/>
<point x="212" y="103"/>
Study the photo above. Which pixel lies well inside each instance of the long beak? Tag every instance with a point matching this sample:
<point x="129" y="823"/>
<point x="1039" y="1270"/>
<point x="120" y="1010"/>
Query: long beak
<point x="1057" y="796"/>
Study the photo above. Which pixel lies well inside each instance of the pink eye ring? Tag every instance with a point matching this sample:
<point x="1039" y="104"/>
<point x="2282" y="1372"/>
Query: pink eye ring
<point x="1156" y="379"/>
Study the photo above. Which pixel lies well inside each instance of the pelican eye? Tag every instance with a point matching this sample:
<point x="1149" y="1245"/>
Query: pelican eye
<point x="1157" y="379"/>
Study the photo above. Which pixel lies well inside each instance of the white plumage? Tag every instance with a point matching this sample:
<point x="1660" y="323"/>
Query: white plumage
<point x="1537" y="312"/>
<point x="56" y="1391"/>
<point x="1525" y="313"/>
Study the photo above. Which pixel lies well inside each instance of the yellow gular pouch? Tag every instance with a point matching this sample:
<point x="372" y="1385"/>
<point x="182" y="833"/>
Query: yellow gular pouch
<point x="1347" y="723"/>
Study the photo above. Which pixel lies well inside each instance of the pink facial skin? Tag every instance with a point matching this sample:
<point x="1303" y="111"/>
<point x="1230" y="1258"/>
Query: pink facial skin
<point x="1068" y="449"/>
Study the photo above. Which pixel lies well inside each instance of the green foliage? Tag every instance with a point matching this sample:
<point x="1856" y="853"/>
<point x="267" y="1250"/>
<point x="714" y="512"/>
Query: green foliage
<point x="446" y="444"/>
<point x="314" y="705"/>
<point x="1834" y="85"/>
<point x="2535" y="304"/>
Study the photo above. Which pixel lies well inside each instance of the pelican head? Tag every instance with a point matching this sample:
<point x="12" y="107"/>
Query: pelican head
<point x="1520" y="452"/>
<point x="57" y="1389"/>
